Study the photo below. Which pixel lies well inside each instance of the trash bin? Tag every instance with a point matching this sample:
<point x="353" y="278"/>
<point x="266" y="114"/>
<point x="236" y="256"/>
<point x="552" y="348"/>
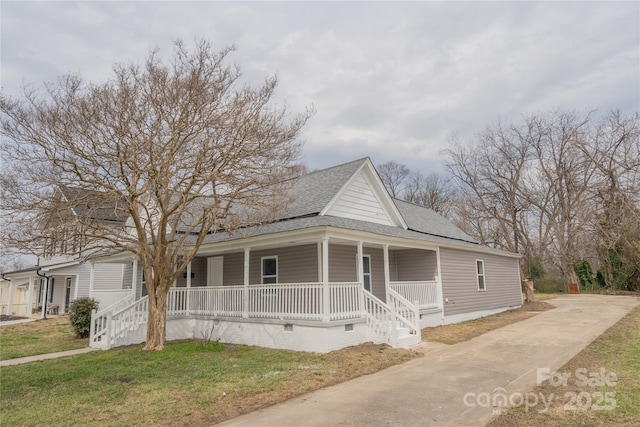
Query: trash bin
<point x="573" y="288"/>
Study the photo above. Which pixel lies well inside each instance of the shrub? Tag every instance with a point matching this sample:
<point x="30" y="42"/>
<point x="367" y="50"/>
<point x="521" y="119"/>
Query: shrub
<point x="80" y="315"/>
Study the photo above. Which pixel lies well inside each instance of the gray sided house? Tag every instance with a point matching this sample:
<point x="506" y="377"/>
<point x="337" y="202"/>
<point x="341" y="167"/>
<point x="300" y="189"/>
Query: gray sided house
<point x="344" y="264"/>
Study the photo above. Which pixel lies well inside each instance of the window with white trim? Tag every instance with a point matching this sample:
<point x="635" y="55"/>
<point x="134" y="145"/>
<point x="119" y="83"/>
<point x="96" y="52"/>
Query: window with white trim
<point x="270" y="269"/>
<point x="366" y="271"/>
<point x="480" y="272"/>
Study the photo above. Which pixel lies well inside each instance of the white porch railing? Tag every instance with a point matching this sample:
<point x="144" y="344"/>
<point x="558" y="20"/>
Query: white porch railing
<point x="425" y="293"/>
<point x="285" y="301"/>
<point x="302" y="301"/>
<point x="345" y="301"/>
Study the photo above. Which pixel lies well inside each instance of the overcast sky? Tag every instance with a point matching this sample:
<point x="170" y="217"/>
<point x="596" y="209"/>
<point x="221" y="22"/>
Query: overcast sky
<point x="389" y="80"/>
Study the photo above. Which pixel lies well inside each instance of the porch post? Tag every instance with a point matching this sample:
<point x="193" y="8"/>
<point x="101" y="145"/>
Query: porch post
<point x="92" y="272"/>
<point x="188" y="288"/>
<point x="12" y="285"/>
<point x="439" y="280"/>
<point x="77" y="284"/>
<point x="245" y="290"/>
<point x="134" y="278"/>
<point x="394" y="330"/>
<point x="385" y="250"/>
<point x="360" y="276"/>
<point x="326" y="298"/>
<point x="29" y="309"/>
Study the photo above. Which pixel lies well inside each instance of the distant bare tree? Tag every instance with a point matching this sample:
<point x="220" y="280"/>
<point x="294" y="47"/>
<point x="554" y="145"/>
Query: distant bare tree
<point x="491" y="174"/>
<point x="180" y="146"/>
<point x="394" y="176"/>
<point x="614" y="150"/>
<point x="433" y="191"/>
<point x="526" y="187"/>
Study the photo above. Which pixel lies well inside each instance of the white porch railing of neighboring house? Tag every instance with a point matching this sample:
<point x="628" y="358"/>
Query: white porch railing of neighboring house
<point x="284" y="301"/>
<point x="107" y="298"/>
<point x="426" y="293"/>
<point x="109" y="328"/>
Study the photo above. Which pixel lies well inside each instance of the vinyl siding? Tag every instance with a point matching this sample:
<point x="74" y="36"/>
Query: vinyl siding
<point x="296" y="264"/>
<point x="358" y="201"/>
<point x="460" y="284"/>
<point x="106" y="277"/>
<point x="342" y="263"/>
<point x="413" y="265"/>
<point x="233" y="269"/>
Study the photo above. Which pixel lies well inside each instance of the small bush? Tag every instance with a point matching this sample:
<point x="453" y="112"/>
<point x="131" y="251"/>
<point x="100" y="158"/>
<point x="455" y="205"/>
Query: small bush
<point x="80" y="315"/>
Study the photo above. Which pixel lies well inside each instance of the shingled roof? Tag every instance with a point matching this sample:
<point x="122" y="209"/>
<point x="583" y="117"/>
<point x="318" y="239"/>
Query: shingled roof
<point x="97" y="205"/>
<point x="311" y="193"/>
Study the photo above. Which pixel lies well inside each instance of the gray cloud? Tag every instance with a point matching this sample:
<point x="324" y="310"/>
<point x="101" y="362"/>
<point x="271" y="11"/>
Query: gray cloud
<point x="388" y="80"/>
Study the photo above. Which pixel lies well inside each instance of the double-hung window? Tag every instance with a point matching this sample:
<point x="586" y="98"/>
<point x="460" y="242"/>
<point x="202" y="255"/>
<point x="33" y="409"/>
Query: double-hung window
<point x="366" y="272"/>
<point x="480" y="272"/>
<point x="270" y="270"/>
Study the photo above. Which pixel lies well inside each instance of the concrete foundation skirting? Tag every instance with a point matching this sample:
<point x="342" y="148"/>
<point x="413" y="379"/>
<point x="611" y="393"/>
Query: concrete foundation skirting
<point x="298" y="336"/>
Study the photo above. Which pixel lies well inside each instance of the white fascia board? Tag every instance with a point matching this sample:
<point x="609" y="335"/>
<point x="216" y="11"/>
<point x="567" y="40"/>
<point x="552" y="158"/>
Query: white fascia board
<point x="54" y="267"/>
<point x="303" y="236"/>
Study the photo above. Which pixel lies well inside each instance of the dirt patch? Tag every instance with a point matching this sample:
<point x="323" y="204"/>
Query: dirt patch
<point x="459" y="332"/>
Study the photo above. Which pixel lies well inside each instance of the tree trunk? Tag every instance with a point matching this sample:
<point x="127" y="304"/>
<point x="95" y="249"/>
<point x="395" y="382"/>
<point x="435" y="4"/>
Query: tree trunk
<point x="528" y="291"/>
<point x="157" y="322"/>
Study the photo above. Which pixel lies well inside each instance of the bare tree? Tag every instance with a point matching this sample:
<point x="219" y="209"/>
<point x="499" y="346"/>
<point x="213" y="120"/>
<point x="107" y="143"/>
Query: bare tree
<point x="490" y="174"/>
<point x="180" y="146"/>
<point x="614" y="150"/>
<point x="433" y="191"/>
<point x="393" y="176"/>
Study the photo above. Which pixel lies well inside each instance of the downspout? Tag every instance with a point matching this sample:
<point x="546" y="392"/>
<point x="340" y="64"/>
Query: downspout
<point x="46" y="292"/>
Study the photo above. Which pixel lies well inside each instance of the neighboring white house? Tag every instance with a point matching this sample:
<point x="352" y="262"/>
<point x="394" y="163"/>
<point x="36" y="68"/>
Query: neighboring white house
<point x="66" y="275"/>
<point x="344" y="264"/>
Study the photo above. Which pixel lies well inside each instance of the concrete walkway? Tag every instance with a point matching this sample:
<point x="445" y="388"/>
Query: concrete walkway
<point x="442" y="388"/>
<point x="29" y="359"/>
<point x="16" y="322"/>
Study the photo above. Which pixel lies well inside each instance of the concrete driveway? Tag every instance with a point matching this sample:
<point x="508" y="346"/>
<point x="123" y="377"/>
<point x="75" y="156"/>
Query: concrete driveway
<point x="449" y="386"/>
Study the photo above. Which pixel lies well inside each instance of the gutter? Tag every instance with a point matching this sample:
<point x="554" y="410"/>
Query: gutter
<point x="46" y="292"/>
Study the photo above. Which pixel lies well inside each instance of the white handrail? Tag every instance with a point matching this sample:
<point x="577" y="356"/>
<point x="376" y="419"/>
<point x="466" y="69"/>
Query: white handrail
<point x="378" y="317"/>
<point x="107" y="327"/>
<point x="406" y="313"/>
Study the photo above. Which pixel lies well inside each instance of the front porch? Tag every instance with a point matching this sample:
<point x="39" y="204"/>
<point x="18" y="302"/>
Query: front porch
<point x="279" y="295"/>
<point x="278" y="315"/>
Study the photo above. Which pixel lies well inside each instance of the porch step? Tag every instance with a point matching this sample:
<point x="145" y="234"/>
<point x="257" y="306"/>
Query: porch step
<point x="408" y="340"/>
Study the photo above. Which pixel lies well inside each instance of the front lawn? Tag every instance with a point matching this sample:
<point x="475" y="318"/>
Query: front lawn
<point x="188" y="383"/>
<point x="38" y="337"/>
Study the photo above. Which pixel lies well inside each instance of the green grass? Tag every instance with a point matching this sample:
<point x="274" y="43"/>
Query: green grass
<point x="617" y="351"/>
<point x="187" y="383"/>
<point x="38" y="337"/>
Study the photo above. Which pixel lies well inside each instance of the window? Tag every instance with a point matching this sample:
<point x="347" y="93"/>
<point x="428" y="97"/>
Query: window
<point x="51" y="283"/>
<point x="143" y="291"/>
<point x="480" y="271"/>
<point x="366" y="271"/>
<point x="269" y="270"/>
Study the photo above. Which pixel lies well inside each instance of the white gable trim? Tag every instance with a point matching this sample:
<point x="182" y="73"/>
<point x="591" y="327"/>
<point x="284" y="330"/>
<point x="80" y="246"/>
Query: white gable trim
<point x="384" y="201"/>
